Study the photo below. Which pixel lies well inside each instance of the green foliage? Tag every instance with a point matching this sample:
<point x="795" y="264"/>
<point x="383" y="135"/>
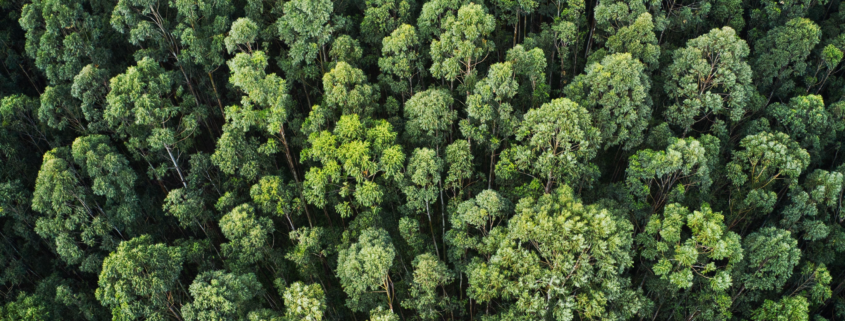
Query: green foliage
<point x="306" y="27"/>
<point x="783" y="54"/>
<point x="220" y="296"/>
<point x="574" y="274"/>
<point x="429" y="273"/>
<point x="356" y="159"/>
<point x="304" y="302"/>
<point x="532" y="160"/>
<point x="704" y="259"/>
<point x="709" y="77"/>
<point x="85" y="193"/>
<point x="616" y="93"/>
<point x="430" y="117"/>
<point x="401" y="58"/>
<point x="462" y="44"/>
<point x="364" y="268"/>
<point x="560" y="140"/>
<point x="658" y="177"/>
<point x="247" y="234"/>
<point x="140" y="280"/>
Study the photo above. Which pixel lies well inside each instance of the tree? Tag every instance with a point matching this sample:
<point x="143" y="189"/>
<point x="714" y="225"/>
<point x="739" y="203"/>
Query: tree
<point x="530" y="65"/>
<point x="364" y="268"/>
<point x="304" y="302"/>
<point x="462" y="45"/>
<point x="147" y="108"/>
<point x="535" y="271"/>
<point x="357" y="160"/>
<point x="423" y="174"/>
<point x="559" y="141"/>
<point x="806" y="120"/>
<point x="139" y="280"/>
<point x="474" y="219"/>
<point x="85" y="193"/>
<point x="400" y="59"/>
<point x="247" y="234"/>
<point x="783" y="54"/>
<point x="770" y="257"/>
<point x="490" y="115"/>
<point x="382" y="17"/>
<point x="429" y="273"/>
<point x="709" y="77"/>
<point x="656" y="178"/>
<point x="430" y="117"/>
<point x="26" y="307"/>
<point x="766" y="159"/>
<point x="306" y="28"/>
<point x="63" y="38"/>
<point x="700" y="262"/>
<point x="220" y="296"/>
<point x="265" y="103"/>
<point x="639" y="40"/>
<point x="616" y="91"/>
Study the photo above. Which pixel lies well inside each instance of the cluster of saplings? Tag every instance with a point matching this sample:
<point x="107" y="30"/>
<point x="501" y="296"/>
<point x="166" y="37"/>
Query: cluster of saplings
<point x="442" y="160"/>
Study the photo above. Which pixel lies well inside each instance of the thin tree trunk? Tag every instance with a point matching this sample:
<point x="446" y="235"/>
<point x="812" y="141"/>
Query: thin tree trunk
<point x="178" y="171"/>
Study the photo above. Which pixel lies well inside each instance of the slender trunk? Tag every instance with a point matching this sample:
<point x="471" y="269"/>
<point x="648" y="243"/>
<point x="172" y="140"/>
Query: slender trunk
<point x="216" y="95"/>
<point x="490" y="177"/>
<point x="431" y="227"/>
<point x="293" y="171"/>
<point x="178" y="171"/>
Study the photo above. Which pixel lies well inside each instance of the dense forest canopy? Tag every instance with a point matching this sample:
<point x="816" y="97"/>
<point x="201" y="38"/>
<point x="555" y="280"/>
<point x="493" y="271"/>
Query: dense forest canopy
<point x="422" y="160"/>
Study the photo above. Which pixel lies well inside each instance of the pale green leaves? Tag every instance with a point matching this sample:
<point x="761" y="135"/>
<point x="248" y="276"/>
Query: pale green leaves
<point x="220" y="296"/>
<point x="364" y="267"/>
<point x="429" y="117"/>
<point x="304" y="302"/>
<point x="684" y="259"/>
<point x="137" y="280"/>
<point x="248" y="235"/>
<point x="351" y="159"/>
<point x="616" y="92"/>
<point x="559" y="141"/>
<point x="709" y="77"/>
<point x="242" y="36"/>
<point x="463" y="44"/>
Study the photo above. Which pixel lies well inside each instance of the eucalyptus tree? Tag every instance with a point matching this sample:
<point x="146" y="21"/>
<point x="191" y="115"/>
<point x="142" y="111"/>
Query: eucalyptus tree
<point x="764" y="160"/>
<point x="808" y="121"/>
<point x="423" y="175"/>
<point x="400" y="60"/>
<point x="559" y="140"/>
<point x="530" y="269"/>
<point x="221" y="296"/>
<point x="248" y="236"/>
<point x="694" y="267"/>
<point x="429" y="274"/>
<point x="657" y="178"/>
<point x="140" y="280"/>
<point x="364" y="271"/>
<point x="491" y="119"/>
<point x="354" y="164"/>
<point x="191" y="33"/>
<point x="782" y="55"/>
<point x="709" y="78"/>
<point x="382" y="17"/>
<point x="616" y="92"/>
<point x="304" y="302"/>
<point x="462" y="44"/>
<point x="148" y="108"/>
<point x="63" y="38"/>
<point x="306" y="27"/>
<point x="87" y="198"/>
